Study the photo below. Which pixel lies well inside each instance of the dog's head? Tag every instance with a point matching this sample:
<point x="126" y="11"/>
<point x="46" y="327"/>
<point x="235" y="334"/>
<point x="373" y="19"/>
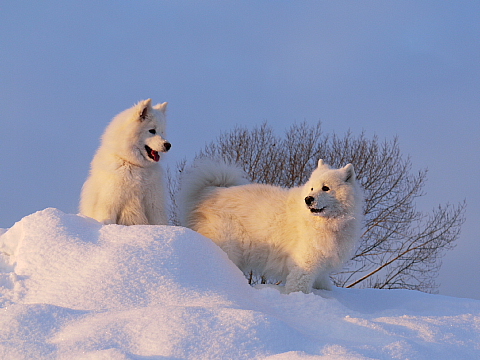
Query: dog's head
<point x="330" y="192"/>
<point x="151" y="130"/>
<point x="137" y="135"/>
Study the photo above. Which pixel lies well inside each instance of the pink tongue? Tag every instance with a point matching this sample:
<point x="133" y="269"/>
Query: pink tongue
<point x="156" y="157"/>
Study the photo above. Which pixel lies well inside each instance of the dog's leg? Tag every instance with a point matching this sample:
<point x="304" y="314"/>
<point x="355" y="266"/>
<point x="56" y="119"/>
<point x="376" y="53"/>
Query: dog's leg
<point x="323" y="282"/>
<point x="299" y="280"/>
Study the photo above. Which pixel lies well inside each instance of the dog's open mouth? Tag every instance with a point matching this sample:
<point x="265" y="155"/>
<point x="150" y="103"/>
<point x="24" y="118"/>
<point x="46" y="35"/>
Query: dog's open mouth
<point x="152" y="154"/>
<point x="317" y="210"/>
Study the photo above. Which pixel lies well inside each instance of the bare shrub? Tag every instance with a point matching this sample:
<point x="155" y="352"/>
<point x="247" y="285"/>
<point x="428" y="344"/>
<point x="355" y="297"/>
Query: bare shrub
<point x="401" y="247"/>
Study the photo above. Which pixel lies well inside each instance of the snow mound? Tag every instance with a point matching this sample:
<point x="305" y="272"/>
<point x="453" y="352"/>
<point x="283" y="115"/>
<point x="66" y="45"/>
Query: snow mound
<point x="71" y="288"/>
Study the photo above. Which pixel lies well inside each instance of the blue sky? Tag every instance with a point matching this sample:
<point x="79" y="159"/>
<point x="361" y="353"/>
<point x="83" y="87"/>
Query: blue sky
<point x="405" y="68"/>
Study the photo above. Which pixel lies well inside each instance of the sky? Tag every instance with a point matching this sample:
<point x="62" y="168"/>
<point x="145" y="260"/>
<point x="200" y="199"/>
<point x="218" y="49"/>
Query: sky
<point x="408" y="69"/>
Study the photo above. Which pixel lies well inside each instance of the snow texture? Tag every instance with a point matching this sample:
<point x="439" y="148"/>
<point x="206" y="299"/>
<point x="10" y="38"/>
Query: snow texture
<point x="71" y="288"/>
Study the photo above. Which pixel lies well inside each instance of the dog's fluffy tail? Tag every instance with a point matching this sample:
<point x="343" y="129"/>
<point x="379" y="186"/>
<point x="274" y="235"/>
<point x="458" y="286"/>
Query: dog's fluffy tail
<point x="204" y="176"/>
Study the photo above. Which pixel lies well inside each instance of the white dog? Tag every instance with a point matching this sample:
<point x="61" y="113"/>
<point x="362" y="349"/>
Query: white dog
<point x="297" y="235"/>
<point x="125" y="185"/>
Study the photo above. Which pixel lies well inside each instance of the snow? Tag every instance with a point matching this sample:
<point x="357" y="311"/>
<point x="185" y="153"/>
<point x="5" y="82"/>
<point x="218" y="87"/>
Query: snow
<point x="71" y="288"/>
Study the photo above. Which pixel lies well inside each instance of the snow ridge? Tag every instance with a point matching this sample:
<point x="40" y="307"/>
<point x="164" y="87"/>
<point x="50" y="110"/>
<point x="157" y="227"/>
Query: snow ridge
<point x="71" y="288"/>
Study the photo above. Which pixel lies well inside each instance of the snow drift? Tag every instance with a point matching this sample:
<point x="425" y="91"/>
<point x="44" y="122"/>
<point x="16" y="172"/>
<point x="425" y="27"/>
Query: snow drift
<point x="71" y="288"/>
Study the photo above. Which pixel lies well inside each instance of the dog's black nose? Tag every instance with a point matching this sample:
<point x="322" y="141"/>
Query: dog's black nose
<point x="167" y="146"/>
<point x="309" y="200"/>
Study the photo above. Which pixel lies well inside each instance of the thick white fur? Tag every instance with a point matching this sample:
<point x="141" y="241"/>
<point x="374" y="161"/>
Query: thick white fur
<point x="271" y="230"/>
<point x="125" y="185"/>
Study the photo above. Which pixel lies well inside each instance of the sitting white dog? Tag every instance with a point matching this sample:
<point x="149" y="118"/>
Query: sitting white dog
<point x="298" y="235"/>
<point x="125" y="185"/>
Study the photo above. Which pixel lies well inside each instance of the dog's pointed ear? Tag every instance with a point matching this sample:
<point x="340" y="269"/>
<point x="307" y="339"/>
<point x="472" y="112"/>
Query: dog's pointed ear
<point x="321" y="163"/>
<point x="161" y="107"/>
<point x="350" y="173"/>
<point x="143" y="109"/>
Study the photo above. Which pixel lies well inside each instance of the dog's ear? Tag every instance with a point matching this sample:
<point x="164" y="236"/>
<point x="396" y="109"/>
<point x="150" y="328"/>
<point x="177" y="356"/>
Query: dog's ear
<point x="144" y="108"/>
<point x="321" y="163"/>
<point x="161" y="107"/>
<point x="350" y="173"/>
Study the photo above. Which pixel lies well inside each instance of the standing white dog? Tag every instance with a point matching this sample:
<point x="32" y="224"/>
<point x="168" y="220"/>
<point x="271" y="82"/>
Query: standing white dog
<point x="297" y="235"/>
<point x="125" y="185"/>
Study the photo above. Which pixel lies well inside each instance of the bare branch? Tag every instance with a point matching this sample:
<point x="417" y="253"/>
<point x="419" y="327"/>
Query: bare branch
<point x="400" y="246"/>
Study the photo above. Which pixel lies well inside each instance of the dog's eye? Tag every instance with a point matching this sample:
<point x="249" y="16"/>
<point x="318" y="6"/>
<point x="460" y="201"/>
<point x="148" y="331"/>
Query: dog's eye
<point x="311" y="189"/>
<point x="152" y="131"/>
<point x="325" y="188"/>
